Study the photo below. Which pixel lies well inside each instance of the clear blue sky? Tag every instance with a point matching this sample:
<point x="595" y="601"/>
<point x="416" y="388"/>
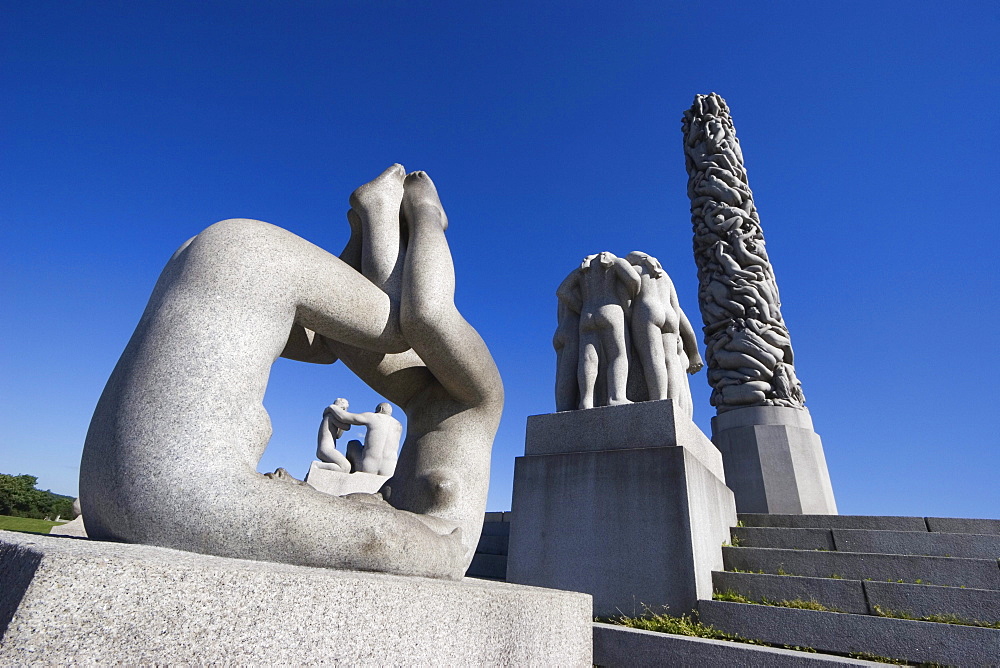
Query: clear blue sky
<point x="552" y="130"/>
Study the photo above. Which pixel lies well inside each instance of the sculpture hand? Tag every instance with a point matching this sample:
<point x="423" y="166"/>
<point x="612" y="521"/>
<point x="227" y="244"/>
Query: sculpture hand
<point x="695" y="365"/>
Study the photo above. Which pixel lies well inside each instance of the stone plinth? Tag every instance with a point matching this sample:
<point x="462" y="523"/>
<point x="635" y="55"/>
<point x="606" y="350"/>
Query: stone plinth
<point x="774" y="461"/>
<point x="338" y="483"/>
<point x="640" y="521"/>
<point x="66" y="600"/>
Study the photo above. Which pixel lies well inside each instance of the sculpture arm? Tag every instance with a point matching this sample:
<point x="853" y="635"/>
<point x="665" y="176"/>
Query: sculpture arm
<point x="628" y="276"/>
<point x="687" y="335"/>
<point x="568" y="292"/>
<point x="338" y="414"/>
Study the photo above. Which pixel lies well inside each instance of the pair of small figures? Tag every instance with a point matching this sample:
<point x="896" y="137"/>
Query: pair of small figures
<point x="381" y="447"/>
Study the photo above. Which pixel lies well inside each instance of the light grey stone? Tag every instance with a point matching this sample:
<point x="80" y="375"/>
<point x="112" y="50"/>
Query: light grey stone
<point x="662" y="339"/>
<point x="605" y="283"/>
<point x="566" y="342"/>
<point x="748" y="349"/>
<point x="339" y="483"/>
<point x="71" y="528"/>
<point x="66" y="601"/>
<point x="329" y="456"/>
<point x="774" y="467"/>
<point x="982" y="605"/>
<point x="647" y="424"/>
<point x="962" y="525"/>
<point x="917" y="542"/>
<point x="950" y="571"/>
<point x="623" y="646"/>
<point x="378" y="454"/>
<point x="841" y="595"/>
<point x="948" y="644"/>
<point x="630" y="526"/>
<point x="171" y="452"/>
<point x="875" y="522"/>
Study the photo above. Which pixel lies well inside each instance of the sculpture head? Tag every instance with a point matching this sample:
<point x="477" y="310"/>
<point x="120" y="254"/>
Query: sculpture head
<point x="385" y="408"/>
<point x="341" y="402"/>
<point x="606" y="259"/>
<point x="585" y="262"/>
<point x="640" y="259"/>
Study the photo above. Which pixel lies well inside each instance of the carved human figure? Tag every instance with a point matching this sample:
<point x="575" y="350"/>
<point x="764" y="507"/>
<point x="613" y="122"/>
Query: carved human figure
<point x="329" y="456"/>
<point x="606" y="284"/>
<point x="566" y="341"/>
<point x="379" y="452"/>
<point x="662" y="336"/>
<point x="171" y="452"/>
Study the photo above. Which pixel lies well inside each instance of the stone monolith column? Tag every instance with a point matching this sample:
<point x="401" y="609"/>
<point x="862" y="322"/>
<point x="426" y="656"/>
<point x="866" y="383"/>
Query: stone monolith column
<point x="773" y="459"/>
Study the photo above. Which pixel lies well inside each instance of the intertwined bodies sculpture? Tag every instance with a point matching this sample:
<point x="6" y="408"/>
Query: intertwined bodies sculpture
<point x="748" y="349"/>
<point x="171" y="453"/>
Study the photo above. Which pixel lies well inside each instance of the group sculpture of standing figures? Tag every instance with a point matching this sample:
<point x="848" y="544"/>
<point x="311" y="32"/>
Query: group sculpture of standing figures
<point x="621" y="335"/>
<point x="747" y="345"/>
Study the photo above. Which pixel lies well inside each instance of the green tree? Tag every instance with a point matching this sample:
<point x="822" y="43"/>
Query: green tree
<point x="18" y="497"/>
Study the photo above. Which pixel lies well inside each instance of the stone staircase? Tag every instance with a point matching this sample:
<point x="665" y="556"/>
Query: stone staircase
<point x="490" y="560"/>
<point x="862" y="584"/>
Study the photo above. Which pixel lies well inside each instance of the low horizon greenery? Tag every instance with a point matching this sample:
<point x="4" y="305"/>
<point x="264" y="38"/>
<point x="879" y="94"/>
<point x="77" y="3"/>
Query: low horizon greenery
<point x="20" y="498"/>
<point x="26" y="524"/>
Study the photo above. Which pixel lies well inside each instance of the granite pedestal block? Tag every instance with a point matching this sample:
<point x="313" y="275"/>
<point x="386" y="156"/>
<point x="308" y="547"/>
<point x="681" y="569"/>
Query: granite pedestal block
<point x="774" y="461"/>
<point x="70" y="600"/>
<point x="639" y="521"/>
<point x="338" y="483"/>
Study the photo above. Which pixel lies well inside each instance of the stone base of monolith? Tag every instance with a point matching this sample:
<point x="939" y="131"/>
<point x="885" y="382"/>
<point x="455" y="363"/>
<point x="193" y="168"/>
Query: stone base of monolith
<point x="774" y="461"/>
<point x="76" y="601"/>
<point x="627" y="503"/>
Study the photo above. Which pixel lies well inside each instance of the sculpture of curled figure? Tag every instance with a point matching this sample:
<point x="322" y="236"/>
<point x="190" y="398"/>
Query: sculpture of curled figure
<point x="605" y="283"/>
<point x="329" y="456"/>
<point x="662" y="336"/>
<point x="171" y="453"/>
<point x="378" y="454"/>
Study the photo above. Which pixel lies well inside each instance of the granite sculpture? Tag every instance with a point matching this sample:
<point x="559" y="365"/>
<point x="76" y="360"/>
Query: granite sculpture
<point x="773" y="457"/>
<point x="330" y="458"/>
<point x="748" y="349"/>
<point x="621" y="335"/>
<point x="379" y="452"/>
<point x="171" y="452"/>
<point x="662" y="336"/>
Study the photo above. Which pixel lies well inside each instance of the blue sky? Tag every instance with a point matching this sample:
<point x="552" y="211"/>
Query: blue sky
<point x="871" y="139"/>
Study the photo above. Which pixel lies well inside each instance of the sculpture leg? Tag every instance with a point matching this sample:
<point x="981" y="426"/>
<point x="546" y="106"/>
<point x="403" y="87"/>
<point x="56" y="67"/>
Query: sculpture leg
<point x="445" y="461"/>
<point x="376" y="204"/>
<point x="648" y="341"/>
<point x="171" y="452"/>
<point x="613" y="347"/>
<point x="588" y="367"/>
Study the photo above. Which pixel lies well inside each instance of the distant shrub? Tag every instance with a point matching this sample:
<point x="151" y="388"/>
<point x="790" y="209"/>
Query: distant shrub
<point x="19" y="498"/>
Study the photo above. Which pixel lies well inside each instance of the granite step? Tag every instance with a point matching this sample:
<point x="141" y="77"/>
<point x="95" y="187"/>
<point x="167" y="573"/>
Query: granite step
<point x="843" y="633"/>
<point x="874" y="522"/>
<point x="864" y="597"/>
<point x="939" y="544"/>
<point x="623" y="646"/>
<point x="947" y="571"/>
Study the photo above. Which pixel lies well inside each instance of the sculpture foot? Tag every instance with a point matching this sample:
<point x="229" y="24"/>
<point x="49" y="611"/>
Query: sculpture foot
<point x="385" y="188"/>
<point x="285" y="476"/>
<point x="421" y="201"/>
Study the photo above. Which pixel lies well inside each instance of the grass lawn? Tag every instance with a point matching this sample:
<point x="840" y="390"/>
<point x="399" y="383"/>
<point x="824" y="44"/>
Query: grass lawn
<point x="26" y="524"/>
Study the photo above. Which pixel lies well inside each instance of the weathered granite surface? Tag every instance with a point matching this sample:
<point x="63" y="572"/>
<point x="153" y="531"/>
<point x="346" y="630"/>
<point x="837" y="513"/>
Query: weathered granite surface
<point x="748" y="349"/>
<point x="621" y="335"/>
<point x="171" y="453"/>
<point x="73" y="601"/>
<point x="339" y="483"/>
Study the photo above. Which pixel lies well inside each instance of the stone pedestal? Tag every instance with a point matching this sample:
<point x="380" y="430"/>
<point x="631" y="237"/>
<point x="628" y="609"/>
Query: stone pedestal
<point x="338" y="483"/>
<point x="774" y="461"/>
<point x="627" y="503"/>
<point x="77" y="601"/>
